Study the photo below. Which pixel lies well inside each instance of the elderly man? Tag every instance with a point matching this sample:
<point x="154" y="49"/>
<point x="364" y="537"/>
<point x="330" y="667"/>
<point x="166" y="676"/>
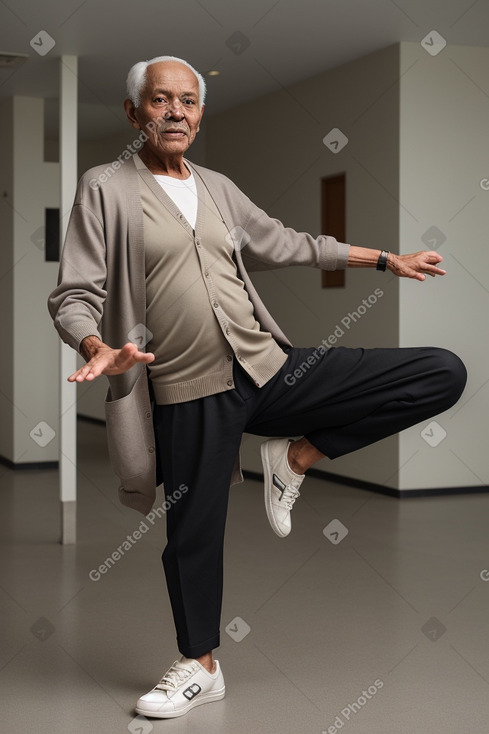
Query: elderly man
<point x="161" y="249"/>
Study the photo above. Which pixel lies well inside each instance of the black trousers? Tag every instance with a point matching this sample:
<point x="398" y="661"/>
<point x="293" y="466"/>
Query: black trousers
<point x="340" y="400"/>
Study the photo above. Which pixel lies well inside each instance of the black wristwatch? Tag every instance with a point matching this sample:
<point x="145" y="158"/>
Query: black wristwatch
<point x="382" y="261"/>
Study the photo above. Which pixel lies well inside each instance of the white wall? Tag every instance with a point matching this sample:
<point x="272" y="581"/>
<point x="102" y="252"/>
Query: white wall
<point x="443" y="158"/>
<point x="7" y="278"/>
<point x="272" y="148"/>
<point x="34" y="349"/>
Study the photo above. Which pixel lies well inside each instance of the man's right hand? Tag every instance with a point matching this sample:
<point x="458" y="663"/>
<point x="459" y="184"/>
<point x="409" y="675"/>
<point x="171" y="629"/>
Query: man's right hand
<point x="102" y="360"/>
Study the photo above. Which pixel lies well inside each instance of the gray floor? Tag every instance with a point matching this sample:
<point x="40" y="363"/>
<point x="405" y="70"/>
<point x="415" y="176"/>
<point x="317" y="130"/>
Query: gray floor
<point x="383" y="631"/>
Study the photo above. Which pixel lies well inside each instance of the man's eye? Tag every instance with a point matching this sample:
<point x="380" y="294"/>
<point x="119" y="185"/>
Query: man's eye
<point x="160" y="99"/>
<point x="189" y="101"/>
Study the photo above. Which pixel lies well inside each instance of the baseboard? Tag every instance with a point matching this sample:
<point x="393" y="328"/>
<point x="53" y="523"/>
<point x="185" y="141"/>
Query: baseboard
<point x="90" y="419"/>
<point x="380" y="488"/>
<point x="30" y="465"/>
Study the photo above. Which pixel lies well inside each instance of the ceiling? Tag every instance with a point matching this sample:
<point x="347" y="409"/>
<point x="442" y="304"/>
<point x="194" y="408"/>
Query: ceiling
<point x="257" y="45"/>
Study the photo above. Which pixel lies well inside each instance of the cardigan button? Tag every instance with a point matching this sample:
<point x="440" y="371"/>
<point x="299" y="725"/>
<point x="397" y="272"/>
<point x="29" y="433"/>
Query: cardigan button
<point x="151" y="450"/>
<point x="230" y="383"/>
<point x="148" y="414"/>
<point x="229" y="358"/>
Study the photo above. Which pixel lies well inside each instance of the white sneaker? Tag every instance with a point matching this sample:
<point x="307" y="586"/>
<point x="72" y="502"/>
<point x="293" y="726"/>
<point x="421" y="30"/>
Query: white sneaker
<point x="185" y="685"/>
<point x="281" y="484"/>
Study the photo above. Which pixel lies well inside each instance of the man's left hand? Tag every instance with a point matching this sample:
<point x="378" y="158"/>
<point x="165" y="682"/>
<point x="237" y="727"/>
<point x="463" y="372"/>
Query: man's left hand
<point x="417" y="265"/>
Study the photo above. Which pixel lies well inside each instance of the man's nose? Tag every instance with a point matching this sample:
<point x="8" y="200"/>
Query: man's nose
<point x="175" y="110"/>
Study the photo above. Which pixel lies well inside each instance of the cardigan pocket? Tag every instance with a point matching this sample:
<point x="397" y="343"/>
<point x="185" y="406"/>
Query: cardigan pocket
<point x="130" y="434"/>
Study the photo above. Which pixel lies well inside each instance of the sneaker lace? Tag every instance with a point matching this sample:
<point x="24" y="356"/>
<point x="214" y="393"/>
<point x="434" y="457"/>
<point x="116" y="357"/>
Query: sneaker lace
<point x="290" y="494"/>
<point x="175" y="676"/>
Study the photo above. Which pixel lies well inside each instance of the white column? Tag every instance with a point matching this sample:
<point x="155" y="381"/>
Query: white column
<point x="68" y="173"/>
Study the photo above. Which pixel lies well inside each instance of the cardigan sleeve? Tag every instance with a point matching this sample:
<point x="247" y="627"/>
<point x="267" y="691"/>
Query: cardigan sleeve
<point x="266" y="244"/>
<point x="76" y="305"/>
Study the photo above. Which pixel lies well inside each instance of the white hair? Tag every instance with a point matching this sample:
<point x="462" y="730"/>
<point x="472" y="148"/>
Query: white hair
<point x="136" y="79"/>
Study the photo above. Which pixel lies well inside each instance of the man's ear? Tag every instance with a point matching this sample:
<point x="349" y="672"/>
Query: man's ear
<point x="130" y="113"/>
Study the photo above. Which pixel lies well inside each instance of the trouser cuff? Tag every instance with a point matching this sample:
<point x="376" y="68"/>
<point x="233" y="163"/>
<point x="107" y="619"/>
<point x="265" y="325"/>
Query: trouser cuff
<point x="195" y="651"/>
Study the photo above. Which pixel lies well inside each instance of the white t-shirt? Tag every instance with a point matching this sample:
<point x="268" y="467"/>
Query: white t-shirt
<point x="183" y="193"/>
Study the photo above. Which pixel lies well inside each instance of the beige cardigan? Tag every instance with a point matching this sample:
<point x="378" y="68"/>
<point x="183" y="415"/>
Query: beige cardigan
<point x="101" y="291"/>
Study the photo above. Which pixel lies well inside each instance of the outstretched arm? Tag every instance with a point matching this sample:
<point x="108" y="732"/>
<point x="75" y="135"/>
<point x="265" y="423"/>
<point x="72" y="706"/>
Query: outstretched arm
<point x="416" y="265"/>
<point x="103" y="360"/>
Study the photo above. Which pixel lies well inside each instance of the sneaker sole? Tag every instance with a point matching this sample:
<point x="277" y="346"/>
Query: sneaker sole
<point x="268" y="492"/>
<point x="205" y="698"/>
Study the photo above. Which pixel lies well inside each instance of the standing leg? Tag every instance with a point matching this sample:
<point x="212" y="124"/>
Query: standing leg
<point x="197" y="442"/>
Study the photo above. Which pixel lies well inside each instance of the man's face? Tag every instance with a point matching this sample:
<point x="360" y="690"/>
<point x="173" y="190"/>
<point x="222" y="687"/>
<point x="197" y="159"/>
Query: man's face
<point x="169" y="111"/>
